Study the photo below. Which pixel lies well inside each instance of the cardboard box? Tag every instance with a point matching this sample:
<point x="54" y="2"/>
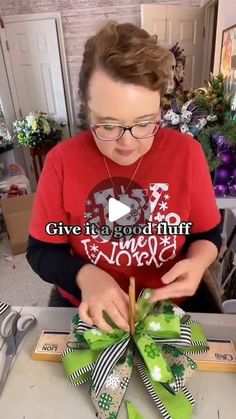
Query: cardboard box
<point x="17" y="214"/>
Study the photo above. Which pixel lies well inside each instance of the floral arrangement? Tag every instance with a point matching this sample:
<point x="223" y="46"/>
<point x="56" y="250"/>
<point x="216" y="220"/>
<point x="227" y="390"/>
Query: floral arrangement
<point x="197" y="107"/>
<point x="205" y="114"/>
<point x="159" y="347"/>
<point x="38" y="129"/>
<point x="189" y="118"/>
<point x="211" y="97"/>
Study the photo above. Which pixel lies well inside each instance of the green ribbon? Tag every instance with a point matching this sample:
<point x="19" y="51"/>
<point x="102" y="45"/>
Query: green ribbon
<point x="164" y="337"/>
<point x="132" y="411"/>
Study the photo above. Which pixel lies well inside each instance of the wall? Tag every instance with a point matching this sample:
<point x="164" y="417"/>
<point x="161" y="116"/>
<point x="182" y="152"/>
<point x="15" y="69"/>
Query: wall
<point x="80" y="18"/>
<point x="204" y="2"/>
<point x="226" y="18"/>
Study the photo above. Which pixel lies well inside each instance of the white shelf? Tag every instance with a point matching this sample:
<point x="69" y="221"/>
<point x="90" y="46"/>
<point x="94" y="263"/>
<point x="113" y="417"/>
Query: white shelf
<point x="226" y="203"/>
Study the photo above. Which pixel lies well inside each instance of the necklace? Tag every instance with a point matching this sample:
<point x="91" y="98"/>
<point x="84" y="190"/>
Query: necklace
<point x="123" y="190"/>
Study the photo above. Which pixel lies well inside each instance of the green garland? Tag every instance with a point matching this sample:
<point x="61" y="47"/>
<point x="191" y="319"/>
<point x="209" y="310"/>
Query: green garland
<point x="205" y="137"/>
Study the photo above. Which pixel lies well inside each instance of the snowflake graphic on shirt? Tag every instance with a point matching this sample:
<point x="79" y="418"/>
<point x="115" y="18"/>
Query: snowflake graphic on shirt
<point x="165" y="240"/>
<point x="88" y="215"/>
<point x="163" y="206"/>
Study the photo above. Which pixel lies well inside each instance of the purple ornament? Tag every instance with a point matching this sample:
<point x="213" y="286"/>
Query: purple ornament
<point x="226" y="157"/>
<point x="222" y="175"/>
<point x="232" y="189"/>
<point x="215" y="137"/>
<point x="233" y="174"/>
<point x="221" y="190"/>
<point x="234" y="159"/>
<point x="220" y="141"/>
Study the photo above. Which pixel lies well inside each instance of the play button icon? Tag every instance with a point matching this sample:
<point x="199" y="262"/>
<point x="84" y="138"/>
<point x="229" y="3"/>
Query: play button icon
<point x="116" y="209"/>
<point x="117" y="206"/>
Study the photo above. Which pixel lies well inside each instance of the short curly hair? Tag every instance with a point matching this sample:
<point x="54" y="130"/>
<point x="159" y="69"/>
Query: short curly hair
<point x="126" y="53"/>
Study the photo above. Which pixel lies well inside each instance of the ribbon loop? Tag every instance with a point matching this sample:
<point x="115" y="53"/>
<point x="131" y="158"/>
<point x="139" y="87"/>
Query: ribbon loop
<point x="184" y="337"/>
<point x="97" y="339"/>
<point x="153" y="359"/>
<point x="79" y="364"/>
<point x="107" y="359"/>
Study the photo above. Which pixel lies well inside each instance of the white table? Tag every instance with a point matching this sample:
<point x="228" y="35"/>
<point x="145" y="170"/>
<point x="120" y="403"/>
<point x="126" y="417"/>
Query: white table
<point x="39" y="389"/>
<point x="226" y="203"/>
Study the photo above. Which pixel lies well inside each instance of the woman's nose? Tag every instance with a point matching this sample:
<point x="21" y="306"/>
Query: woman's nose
<point x="126" y="138"/>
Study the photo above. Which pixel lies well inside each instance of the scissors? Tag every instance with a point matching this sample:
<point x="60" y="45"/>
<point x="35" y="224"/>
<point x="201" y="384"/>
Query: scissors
<point x="13" y="329"/>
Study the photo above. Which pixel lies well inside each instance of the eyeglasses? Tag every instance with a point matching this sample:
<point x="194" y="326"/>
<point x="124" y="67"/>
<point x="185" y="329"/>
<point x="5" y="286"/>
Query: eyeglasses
<point x="112" y="132"/>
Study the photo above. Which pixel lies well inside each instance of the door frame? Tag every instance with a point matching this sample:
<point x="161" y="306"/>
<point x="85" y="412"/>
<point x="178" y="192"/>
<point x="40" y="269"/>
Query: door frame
<point x="40" y="16"/>
<point x="6" y="97"/>
<point x="209" y="38"/>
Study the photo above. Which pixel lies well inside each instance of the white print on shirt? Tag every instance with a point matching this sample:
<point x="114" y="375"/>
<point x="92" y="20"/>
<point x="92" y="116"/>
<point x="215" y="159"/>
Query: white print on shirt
<point x="135" y="250"/>
<point x="131" y="251"/>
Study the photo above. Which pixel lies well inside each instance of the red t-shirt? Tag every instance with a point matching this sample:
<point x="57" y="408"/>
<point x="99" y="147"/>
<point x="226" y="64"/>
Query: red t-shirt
<point x="74" y="187"/>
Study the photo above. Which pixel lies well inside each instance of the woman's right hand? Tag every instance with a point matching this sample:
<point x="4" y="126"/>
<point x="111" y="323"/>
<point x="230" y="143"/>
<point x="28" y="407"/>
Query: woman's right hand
<point x="101" y="293"/>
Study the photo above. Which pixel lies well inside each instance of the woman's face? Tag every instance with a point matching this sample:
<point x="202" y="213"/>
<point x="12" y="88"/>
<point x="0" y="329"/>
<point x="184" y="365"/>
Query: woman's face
<point x="115" y="102"/>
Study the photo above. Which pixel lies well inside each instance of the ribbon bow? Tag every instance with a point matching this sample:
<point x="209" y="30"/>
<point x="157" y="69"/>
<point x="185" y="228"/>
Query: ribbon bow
<point x="162" y="339"/>
<point x="188" y="118"/>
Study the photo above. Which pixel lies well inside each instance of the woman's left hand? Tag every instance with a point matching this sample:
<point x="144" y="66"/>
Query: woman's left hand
<point x="181" y="281"/>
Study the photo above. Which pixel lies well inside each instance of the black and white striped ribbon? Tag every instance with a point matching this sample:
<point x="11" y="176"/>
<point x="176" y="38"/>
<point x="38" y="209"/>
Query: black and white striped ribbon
<point x="195" y="351"/>
<point x="82" y="327"/>
<point x="151" y="390"/>
<point x="184" y="340"/>
<point x="106" y="361"/>
<point x="191" y="321"/>
<point x="78" y="373"/>
<point x="3" y="307"/>
<point x="67" y="351"/>
<point x="188" y="395"/>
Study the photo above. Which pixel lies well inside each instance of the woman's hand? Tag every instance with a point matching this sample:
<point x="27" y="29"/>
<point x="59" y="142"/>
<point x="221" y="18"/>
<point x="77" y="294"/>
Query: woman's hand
<point x="101" y="293"/>
<point x="181" y="281"/>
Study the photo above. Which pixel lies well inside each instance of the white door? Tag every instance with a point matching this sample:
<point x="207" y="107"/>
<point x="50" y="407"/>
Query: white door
<point x="37" y="80"/>
<point x="182" y="24"/>
<point x="36" y="66"/>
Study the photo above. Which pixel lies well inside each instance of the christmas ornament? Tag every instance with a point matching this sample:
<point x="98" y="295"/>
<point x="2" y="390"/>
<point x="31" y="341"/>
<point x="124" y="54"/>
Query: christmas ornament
<point x="160" y="340"/>
<point x="233" y="173"/>
<point x="226" y="174"/>
<point x="234" y="158"/>
<point x="222" y="175"/>
<point x="232" y="189"/>
<point x="221" y="190"/>
<point x="221" y="142"/>
<point x="226" y="158"/>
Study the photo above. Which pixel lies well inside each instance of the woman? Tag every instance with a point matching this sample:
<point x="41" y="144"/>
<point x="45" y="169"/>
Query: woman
<point x="126" y="155"/>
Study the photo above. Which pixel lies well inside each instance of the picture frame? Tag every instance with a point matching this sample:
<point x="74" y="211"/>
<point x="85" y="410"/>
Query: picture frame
<point x="228" y="59"/>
